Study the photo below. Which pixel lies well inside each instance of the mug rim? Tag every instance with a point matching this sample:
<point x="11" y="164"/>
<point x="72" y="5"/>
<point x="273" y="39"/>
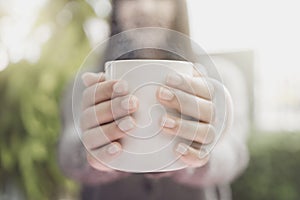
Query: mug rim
<point x="108" y="63"/>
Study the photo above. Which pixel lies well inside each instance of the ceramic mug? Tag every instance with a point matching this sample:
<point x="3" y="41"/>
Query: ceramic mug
<point x="146" y="148"/>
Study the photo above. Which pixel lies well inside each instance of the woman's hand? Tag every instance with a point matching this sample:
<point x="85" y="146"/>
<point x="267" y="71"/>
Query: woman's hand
<point x="101" y="125"/>
<point x="192" y="97"/>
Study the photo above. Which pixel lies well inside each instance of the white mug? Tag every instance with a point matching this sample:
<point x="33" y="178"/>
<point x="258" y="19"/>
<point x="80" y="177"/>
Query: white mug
<point x="146" y="149"/>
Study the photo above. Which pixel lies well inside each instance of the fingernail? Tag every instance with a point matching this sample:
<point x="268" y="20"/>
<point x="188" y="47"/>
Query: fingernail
<point x="165" y="94"/>
<point x="126" y="124"/>
<point x="182" y="148"/>
<point x="210" y="134"/>
<point x="120" y="87"/>
<point x="168" y="122"/>
<point x="173" y="79"/>
<point x="129" y="103"/>
<point x="113" y="149"/>
<point x="203" y="153"/>
<point x="210" y="138"/>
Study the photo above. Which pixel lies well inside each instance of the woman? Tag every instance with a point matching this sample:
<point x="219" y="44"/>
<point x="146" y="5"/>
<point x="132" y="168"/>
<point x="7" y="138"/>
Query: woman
<point x="205" y="178"/>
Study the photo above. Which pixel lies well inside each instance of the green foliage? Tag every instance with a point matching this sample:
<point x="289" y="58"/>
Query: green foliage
<point x="273" y="171"/>
<point x="29" y="104"/>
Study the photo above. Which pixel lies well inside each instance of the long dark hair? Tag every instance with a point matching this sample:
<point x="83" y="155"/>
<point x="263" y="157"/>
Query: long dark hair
<point x="180" y="24"/>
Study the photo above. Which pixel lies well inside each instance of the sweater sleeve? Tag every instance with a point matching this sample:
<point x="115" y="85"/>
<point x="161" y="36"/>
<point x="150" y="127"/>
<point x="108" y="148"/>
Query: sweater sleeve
<point x="230" y="156"/>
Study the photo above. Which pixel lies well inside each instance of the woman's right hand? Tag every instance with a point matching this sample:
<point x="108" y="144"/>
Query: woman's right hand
<point x="105" y="118"/>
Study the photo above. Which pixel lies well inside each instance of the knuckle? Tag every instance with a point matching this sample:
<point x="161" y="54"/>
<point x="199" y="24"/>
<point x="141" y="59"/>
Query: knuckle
<point x="85" y="99"/>
<point x="200" y="135"/>
<point x="89" y="144"/>
<point x="83" y="120"/>
<point x="210" y="129"/>
<point x="183" y="97"/>
<point x="182" y="100"/>
<point x="206" y="110"/>
<point x="93" y="91"/>
<point x="82" y="123"/>
<point x="85" y="93"/>
<point x="97" y="113"/>
<point x="90" y="117"/>
<point x="108" y="88"/>
<point x="115" y="107"/>
<point x="211" y="133"/>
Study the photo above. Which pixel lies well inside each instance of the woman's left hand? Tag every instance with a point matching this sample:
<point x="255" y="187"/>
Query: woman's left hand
<point x="192" y="97"/>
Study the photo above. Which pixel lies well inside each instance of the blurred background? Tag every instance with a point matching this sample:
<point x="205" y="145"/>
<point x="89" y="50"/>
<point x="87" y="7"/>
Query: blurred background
<point x="43" y="43"/>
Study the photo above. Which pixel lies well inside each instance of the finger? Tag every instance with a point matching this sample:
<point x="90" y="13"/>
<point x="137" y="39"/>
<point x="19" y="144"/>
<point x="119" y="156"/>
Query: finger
<point x="93" y="162"/>
<point x="103" y="91"/>
<point x="191" y="156"/>
<point x="108" y="111"/>
<point x="197" y="74"/>
<point x="198" y="86"/>
<point x="90" y="78"/>
<point x="199" y="70"/>
<point x="186" y="104"/>
<point x="101" y="135"/>
<point x="99" y="158"/>
<point x="191" y="130"/>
